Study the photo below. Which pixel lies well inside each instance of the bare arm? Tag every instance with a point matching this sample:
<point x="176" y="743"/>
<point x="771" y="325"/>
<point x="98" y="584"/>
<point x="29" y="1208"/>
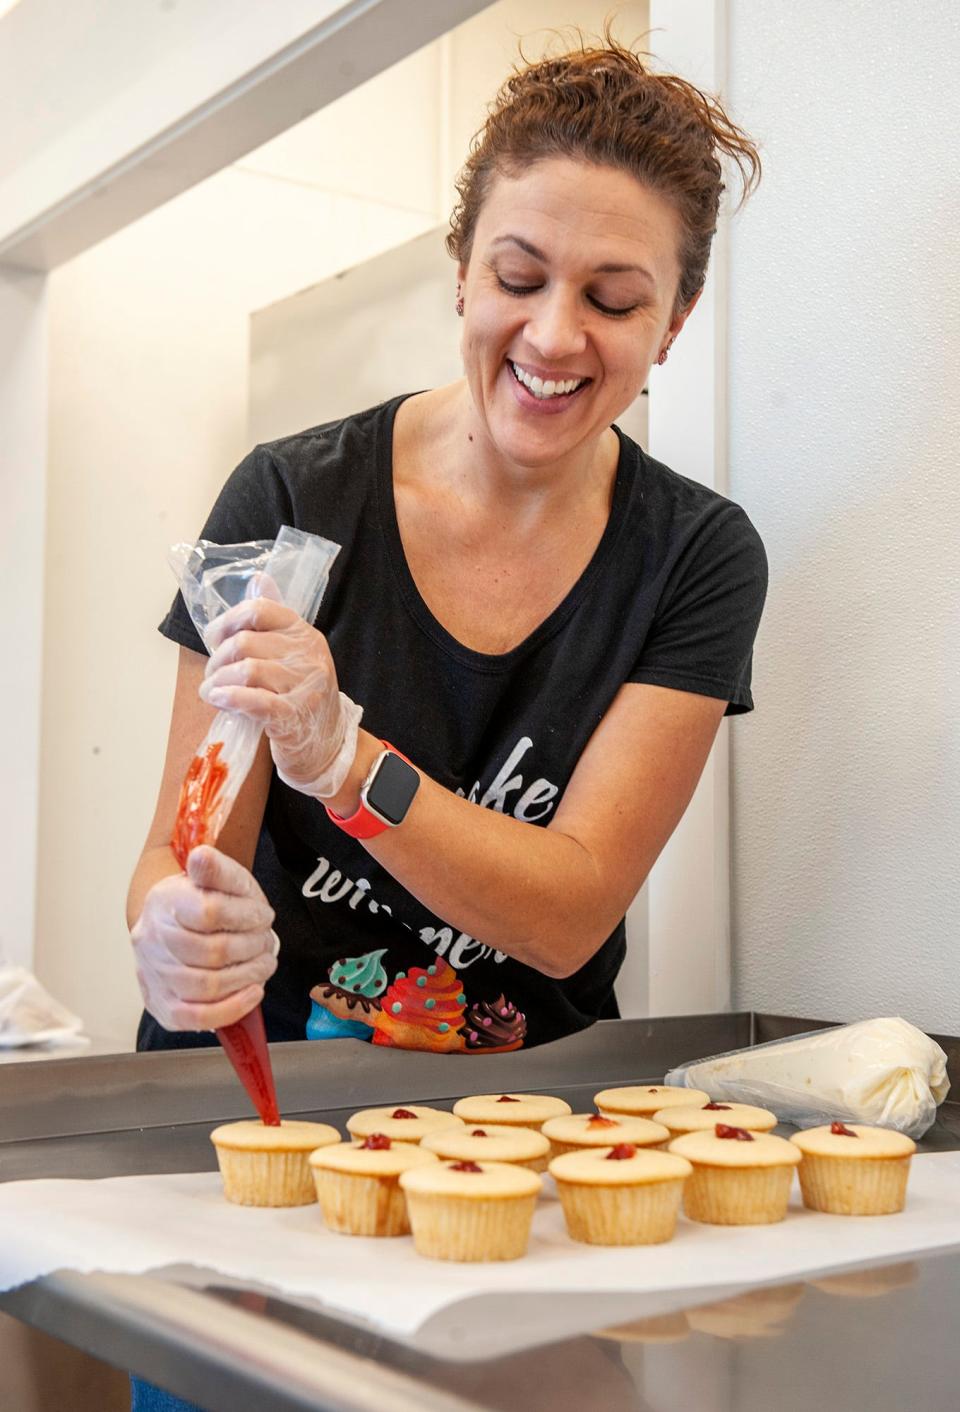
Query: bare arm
<point x="551" y="896"/>
<point x="547" y="896"/>
<point x="202" y="941"/>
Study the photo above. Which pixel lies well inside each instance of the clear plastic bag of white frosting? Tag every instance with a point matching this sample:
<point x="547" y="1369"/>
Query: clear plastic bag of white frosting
<point x="882" y="1072"/>
<point x="292" y="569"/>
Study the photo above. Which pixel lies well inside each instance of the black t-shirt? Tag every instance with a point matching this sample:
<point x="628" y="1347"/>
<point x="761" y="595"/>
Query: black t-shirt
<point x="672" y="596"/>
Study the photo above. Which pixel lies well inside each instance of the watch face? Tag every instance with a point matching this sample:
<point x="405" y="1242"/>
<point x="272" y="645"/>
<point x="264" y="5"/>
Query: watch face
<point x="390" y="792"/>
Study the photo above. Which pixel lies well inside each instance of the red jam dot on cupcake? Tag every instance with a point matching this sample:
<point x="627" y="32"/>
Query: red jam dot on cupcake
<point x="716" y="1107"/>
<point x="402" y="1113"/>
<point x="479" y="1132"/>
<point x="622" y="1152"/>
<point x="376" y="1142"/>
<point x="597" y="1120"/>
<point x="737" y="1134"/>
<point x="465" y="1167"/>
<point x="842" y="1130"/>
<point x="507" y="1099"/>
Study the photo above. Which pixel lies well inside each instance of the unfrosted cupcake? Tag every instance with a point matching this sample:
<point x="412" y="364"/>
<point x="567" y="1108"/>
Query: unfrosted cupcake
<point x="529" y="1110"/>
<point x="739" y="1178"/>
<point x="493" y="1142"/>
<point x="620" y="1195"/>
<point x="703" y="1118"/>
<point x="578" y="1131"/>
<point x="854" y="1170"/>
<point x="401" y="1124"/>
<point x="471" y="1210"/>
<point x="643" y="1100"/>
<point x="267" y="1166"/>
<point x="358" y="1184"/>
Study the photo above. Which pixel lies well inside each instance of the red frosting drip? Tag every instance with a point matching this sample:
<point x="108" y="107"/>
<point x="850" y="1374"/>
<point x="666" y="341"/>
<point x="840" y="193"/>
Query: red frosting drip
<point x="402" y="1113"/>
<point x="738" y="1134"/>
<point x="465" y="1167"/>
<point x="716" y="1107"/>
<point x="842" y="1131"/>
<point x="376" y="1142"/>
<point x="621" y="1152"/>
<point x="507" y="1099"/>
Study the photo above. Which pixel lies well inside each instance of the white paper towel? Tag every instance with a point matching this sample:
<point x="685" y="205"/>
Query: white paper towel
<point x="135" y="1224"/>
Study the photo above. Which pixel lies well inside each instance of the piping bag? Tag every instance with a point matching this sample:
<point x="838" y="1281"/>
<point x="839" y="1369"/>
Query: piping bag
<point x="292" y="569"/>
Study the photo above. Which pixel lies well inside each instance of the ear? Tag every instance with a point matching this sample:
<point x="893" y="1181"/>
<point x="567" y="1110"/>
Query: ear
<point x="461" y="272"/>
<point x="677" y="323"/>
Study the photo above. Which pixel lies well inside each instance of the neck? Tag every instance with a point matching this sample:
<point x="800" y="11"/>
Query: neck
<point x="475" y="470"/>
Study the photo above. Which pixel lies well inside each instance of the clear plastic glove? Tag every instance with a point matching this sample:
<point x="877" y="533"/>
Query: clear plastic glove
<point x="269" y="665"/>
<point x="203" y="944"/>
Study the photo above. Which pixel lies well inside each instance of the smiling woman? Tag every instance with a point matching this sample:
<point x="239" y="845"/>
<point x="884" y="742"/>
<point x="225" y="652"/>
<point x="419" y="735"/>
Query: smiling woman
<point x="548" y="624"/>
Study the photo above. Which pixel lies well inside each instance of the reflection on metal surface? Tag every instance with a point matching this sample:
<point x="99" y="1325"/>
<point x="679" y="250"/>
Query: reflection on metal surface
<point x="660" y="1328"/>
<point x="867" y="1284"/>
<point x="759" y="1313"/>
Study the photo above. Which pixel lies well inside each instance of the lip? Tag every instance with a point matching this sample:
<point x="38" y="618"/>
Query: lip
<point x="551" y="407"/>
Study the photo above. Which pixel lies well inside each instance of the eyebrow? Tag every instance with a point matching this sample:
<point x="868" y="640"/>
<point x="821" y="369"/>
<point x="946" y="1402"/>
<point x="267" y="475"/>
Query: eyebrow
<point x="607" y="269"/>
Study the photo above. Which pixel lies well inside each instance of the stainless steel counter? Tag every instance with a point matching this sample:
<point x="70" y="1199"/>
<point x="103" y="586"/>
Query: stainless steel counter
<point x="859" y="1342"/>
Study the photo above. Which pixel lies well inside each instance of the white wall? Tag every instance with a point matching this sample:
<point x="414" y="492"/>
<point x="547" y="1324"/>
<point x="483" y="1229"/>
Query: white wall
<point x="845" y="398"/>
<point x="23" y="454"/>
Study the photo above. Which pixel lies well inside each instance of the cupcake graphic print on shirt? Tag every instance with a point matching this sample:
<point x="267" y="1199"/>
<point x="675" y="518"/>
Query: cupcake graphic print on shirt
<point x="424" y="1008"/>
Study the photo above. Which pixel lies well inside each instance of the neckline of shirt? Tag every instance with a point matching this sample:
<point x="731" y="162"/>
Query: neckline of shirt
<point x="416" y="604"/>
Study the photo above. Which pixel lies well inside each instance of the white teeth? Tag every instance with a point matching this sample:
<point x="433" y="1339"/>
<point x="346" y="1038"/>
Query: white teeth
<point x="542" y="389"/>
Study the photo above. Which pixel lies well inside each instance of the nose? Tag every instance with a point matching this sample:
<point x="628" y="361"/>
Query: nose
<point x="555" y="329"/>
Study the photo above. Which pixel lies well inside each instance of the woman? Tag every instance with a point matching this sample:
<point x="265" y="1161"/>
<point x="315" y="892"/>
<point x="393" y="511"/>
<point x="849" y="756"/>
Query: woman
<point x="547" y="624"/>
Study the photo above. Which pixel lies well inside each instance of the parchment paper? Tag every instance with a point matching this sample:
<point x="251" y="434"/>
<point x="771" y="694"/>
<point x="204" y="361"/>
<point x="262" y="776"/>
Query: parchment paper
<point x="136" y="1224"/>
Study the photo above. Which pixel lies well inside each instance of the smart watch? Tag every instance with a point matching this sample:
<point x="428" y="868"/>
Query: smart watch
<point x="385" y="796"/>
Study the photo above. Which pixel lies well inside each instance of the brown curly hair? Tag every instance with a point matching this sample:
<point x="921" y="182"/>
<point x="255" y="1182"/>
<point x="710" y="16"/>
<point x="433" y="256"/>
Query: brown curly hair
<point x="605" y="106"/>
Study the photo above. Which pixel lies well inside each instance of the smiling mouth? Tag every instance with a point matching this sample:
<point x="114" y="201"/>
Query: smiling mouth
<point x="549" y="391"/>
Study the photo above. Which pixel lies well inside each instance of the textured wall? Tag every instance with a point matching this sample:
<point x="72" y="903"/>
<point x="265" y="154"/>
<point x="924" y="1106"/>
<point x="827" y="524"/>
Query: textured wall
<point x="845" y="397"/>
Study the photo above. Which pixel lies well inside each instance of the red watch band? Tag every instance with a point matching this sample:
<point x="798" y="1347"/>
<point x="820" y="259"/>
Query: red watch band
<point x="362" y="823"/>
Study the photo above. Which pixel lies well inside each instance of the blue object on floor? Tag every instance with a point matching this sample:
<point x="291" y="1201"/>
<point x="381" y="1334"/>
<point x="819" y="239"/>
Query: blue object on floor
<point x="144" y="1397"/>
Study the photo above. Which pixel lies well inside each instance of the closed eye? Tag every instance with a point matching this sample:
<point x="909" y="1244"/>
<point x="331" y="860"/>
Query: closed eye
<point x="518" y="290"/>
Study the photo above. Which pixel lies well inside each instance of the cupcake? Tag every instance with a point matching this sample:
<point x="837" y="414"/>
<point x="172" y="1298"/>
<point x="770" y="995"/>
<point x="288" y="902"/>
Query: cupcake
<point x="401" y="1124"/>
<point x="643" y="1100"/>
<point x="854" y="1170"/>
<point x="620" y="1195"/>
<point x="703" y="1118"/>
<point x="423" y="1009"/>
<point x="346" y="1006"/>
<point x="471" y="1210"/>
<point x="739" y="1178"/>
<point x="493" y="1142"/>
<point x="266" y="1166"/>
<point x="358" y="1184"/>
<point x="510" y="1110"/>
<point x="577" y="1131"/>
<point x="494" y="1027"/>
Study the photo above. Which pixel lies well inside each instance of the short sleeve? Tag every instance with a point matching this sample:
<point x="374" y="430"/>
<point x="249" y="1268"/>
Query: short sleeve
<point x="701" y="639"/>
<point x="253" y="504"/>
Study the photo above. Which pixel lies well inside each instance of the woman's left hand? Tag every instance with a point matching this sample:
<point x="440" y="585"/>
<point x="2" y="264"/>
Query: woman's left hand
<point x="268" y="664"/>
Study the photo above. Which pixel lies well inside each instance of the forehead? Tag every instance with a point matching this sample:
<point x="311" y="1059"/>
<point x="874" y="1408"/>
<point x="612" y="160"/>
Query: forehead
<point x="582" y="214"/>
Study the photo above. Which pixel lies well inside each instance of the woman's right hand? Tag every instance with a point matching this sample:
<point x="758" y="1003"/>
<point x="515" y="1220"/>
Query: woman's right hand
<point x="203" y="944"/>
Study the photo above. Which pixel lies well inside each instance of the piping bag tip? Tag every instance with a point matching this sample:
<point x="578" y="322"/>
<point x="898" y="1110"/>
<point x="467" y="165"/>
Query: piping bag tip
<point x="246" y="1045"/>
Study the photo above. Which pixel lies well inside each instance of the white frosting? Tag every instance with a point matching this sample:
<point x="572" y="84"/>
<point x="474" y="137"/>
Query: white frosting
<point x="883" y="1072"/>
